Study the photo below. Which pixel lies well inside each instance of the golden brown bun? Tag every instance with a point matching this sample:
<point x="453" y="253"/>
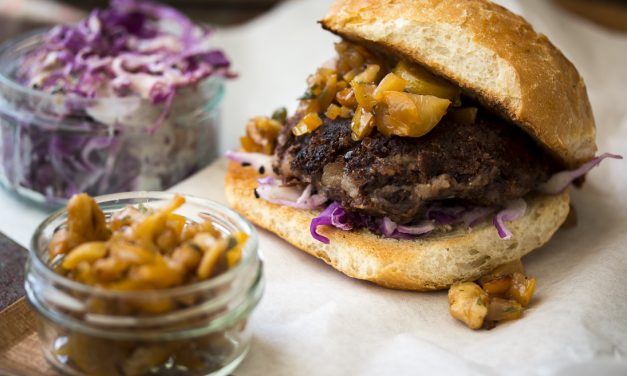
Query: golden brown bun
<point x="493" y="54"/>
<point x="430" y="263"/>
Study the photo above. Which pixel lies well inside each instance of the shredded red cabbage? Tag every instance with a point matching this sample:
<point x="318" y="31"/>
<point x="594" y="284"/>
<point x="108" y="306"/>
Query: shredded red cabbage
<point x="333" y="215"/>
<point x="513" y="210"/>
<point x="424" y="227"/>
<point x="151" y="55"/>
<point x="134" y="47"/>
<point x="453" y="215"/>
<point x="387" y="227"/>
<point x="266" y="180"/>
<point x="561" y="180"/>
<point x="272" y="190"/>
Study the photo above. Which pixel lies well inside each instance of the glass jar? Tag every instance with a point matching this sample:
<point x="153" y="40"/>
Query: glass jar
<point x="196" y="329"/>
<point x="53" y="145"/>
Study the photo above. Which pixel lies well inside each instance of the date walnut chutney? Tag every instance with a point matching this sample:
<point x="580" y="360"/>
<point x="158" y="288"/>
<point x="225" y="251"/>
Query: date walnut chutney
<point x="157" y="291"/>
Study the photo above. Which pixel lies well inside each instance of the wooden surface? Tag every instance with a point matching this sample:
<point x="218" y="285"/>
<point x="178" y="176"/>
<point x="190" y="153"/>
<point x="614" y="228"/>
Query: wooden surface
<point x="611" y="14"/>
<point x="12" y="260"/>
<point x="20" y="350"/>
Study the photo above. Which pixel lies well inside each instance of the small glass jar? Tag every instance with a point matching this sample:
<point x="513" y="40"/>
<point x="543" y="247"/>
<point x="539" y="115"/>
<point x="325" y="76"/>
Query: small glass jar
<point x="54" y="145"/>
<point x="196" y="329"/>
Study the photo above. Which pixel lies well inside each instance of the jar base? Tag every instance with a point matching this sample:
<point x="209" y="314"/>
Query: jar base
<point x="62" y="368"/>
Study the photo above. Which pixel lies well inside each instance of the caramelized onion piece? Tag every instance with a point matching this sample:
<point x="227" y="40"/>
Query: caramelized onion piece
<point x="419" y="81"/>
<point x="390" y="82"/>
<point x="308" y="124"/>
<point x="261" y="135"/>
<point x="346" y="97"/>
<point x="468" y="303"/>
<point x="362" y="124"/>
<point x="409" y="115"/>
<point x="497" y="286"/>
<point x="369" y="75"/>
<point x="328" y="92"/>
<point x="364" y="94"/>
<point x="522" y="289"/>
<point x="333" y="111"/>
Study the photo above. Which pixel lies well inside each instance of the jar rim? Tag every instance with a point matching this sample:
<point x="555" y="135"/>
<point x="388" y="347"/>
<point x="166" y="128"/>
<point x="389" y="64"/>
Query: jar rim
<point x="33" y="38"/>
<point x="249" y="252"/>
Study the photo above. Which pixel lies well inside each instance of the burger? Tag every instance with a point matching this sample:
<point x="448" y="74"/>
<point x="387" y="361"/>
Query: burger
<point x="438" y="144"/>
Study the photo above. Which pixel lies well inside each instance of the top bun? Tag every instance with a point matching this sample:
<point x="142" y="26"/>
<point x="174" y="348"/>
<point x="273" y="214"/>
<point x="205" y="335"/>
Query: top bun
<point x="494" y="55"/>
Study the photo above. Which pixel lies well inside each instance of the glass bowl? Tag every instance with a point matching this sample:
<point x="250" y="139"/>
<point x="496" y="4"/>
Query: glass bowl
<point x="53" y="145"/>
<point x="195" y="329"/>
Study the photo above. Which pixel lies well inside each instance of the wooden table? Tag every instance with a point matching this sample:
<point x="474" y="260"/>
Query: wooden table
<point x="18" y="337"/>
<point x="611" y="14"/>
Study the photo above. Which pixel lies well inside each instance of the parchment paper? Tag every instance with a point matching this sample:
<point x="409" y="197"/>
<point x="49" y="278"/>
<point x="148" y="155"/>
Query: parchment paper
<point x="315" y="321"/>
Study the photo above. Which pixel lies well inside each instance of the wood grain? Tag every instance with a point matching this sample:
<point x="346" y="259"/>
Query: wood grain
<point x="12" y="259"/>
<point x="20" y="349"/>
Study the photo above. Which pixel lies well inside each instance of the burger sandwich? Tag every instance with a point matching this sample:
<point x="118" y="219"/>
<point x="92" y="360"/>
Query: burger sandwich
<point x="438" y="144"/>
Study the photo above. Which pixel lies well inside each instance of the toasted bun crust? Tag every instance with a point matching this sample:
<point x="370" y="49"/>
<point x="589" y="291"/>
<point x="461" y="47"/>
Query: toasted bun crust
<point x="430" y="263"/>
<point x="491" y="53"/>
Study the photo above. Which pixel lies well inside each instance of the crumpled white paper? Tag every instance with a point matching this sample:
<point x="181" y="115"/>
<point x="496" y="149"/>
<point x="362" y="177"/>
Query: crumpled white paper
<point x="315" y="321"/>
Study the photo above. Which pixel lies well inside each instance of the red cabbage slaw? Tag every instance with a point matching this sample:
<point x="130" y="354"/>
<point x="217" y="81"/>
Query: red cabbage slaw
<point x="513" y="210"/>
<point x="273" y="191"/>
<point x="140" y="57"/>
<point x="437" y="215"/>
<point x="132" y="48"/>
<point x="561" y="180"/>
<point x="335" y="215"/>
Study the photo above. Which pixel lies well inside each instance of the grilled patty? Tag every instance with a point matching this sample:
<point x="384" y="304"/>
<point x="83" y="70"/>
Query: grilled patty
<point x="486" y="163"/>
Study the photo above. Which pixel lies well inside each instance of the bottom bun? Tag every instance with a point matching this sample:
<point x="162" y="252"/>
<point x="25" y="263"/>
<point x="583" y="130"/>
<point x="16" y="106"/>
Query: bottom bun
<point x="431" y="262"/>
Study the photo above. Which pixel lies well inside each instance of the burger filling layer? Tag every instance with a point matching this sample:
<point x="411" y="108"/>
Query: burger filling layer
<point x="484" y="163"/>
<point x="386" y="140"/>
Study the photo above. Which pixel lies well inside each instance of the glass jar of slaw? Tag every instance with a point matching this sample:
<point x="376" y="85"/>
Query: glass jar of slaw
<point x="85" y="330"/>
<point x="54" y="145"/>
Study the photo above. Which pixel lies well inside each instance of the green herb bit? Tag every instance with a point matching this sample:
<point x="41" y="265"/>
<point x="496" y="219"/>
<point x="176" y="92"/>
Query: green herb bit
<point x="280" y="115"/>
<point x="309" y="94"/>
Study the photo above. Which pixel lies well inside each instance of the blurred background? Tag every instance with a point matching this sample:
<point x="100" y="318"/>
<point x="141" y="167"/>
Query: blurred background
<point x="20" y="15"/>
